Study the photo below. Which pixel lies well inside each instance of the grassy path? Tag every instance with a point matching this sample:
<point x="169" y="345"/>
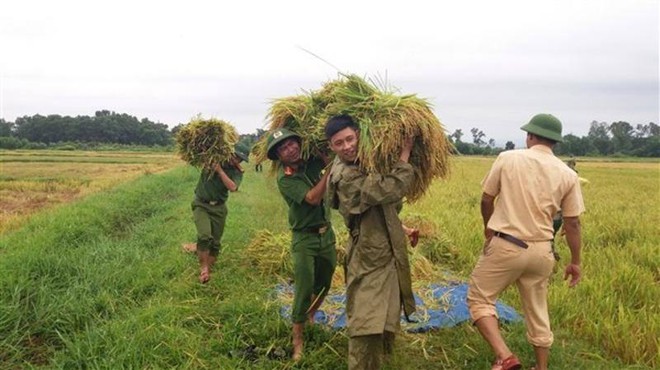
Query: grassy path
<point x="103" y="283"/>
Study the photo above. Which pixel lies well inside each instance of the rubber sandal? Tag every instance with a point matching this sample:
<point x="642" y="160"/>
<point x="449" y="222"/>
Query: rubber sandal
<point x="414" y="238"/>
<point x="509" y="363"/>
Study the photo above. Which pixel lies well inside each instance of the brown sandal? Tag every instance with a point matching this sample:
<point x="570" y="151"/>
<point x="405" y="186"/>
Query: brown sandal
<point x="414" y="237"/>
<point x="509" y="363"/>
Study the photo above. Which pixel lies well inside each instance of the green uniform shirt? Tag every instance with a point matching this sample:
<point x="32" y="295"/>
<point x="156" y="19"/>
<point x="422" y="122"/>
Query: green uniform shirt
<point x="210" y="187"/>
<point x="294" y="186"/>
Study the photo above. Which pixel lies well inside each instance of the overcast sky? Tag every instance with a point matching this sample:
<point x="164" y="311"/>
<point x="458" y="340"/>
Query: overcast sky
<point x="485" y="64"/>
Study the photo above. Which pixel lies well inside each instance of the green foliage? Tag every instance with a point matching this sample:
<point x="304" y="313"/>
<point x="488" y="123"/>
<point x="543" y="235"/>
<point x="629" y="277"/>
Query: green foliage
<point x="8" y="142"/>
<point x="6" y="128"/>
<point x="616" y="139"/>
<point x="103" y="127"/>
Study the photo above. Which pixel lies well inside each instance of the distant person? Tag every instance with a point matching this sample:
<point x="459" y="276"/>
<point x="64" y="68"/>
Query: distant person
<point x="210" y="211"/>
<point x="302" y="184"/>
<point x="531" y="185"/>
<point x="558" y="220"/>
<point x="571" y="163"/>
<point x="258" y="167"/>
<point x="378" y="282"/>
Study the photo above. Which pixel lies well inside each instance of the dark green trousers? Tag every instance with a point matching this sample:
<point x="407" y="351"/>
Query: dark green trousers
<point x="210" y="224"/>
<point x="314" y="260"/>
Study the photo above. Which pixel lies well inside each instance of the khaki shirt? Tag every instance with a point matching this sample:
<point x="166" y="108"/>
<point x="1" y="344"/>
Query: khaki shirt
<point x="377" y="256"/>
<point x="531" y="186"/>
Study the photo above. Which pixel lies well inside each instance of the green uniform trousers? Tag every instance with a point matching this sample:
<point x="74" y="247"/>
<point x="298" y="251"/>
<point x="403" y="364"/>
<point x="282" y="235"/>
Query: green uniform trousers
<point x="314" y="260"/>
<point x="210" y="223"/>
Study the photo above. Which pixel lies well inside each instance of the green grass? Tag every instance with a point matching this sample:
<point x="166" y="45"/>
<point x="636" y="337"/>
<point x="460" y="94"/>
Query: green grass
<point x="102" y="283"/>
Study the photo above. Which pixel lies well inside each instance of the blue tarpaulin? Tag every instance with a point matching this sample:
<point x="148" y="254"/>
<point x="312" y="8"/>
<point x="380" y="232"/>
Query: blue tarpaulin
<point x="442" y="306"/>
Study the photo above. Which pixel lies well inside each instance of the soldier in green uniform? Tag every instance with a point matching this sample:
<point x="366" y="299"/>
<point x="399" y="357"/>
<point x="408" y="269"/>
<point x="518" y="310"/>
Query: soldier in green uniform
<point x="378" y="281"/>
<point x="209" y="208"/>
<point x="303" y="186"/>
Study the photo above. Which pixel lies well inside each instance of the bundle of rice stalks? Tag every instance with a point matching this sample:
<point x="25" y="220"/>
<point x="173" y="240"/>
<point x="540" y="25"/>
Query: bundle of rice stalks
<point x="205" y="142"/>
<point x="421" y="269"/>
<point x="270" y="254"/>
<point x="439" y="249"/>
<point x="385" y="120"/>
<point x="341" y="245"/>
<point x="427" y="227"/>
<point x="338" y="278"/>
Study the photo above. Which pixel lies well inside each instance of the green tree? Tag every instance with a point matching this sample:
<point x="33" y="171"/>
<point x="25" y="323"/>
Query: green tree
<point x="600" y="138"/>
<point x="478" y="137"/>
<point x="622" y="135"/>
<point x="104" y="127"/>
<point x="6" y="128"/>
<point x="456" y="136"/>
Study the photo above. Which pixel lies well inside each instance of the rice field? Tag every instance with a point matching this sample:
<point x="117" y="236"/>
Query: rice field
<point x="33" y="180"/>
<point x="100" y="281"/>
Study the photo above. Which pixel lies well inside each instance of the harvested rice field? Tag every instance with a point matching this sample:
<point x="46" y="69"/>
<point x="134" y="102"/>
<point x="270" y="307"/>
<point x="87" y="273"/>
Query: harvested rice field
<point x="95" y="276"/>
<point x="34" y="180"/>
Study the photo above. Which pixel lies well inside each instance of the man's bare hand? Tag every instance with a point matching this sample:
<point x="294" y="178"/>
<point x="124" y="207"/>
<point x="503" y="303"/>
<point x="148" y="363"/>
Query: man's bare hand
<point x="574" y="272"/>
<point x="407" y="148"/>
<point x="408" y="143"/>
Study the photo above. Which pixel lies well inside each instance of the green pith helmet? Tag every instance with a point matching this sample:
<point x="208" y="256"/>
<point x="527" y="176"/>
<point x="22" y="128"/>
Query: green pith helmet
<point x="544" y="125"/>
<point x="242" y="152"/>
<point x="277" y="137"/>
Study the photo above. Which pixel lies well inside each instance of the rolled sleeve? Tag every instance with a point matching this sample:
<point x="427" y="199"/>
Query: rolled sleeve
<point x="573" y="204"/>
<point x="491" y="183"/>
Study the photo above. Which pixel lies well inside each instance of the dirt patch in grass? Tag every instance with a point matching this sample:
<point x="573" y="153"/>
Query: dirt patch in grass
<point x="38" y="350"/>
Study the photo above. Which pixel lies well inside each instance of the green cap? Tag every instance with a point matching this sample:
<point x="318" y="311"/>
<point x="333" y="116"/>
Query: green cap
<point x="277" y="137"/>
<point x="544" y="125"/>
<point x="242" y="152"/>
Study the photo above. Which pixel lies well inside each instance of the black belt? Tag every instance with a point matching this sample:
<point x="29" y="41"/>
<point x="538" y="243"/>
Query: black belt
<point x="319" y="229"/>
<point x="511" y="239"/>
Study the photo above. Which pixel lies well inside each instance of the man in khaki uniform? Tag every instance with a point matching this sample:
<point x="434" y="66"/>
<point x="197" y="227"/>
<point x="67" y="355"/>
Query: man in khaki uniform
<point x="377" y="269"/>
<point x="530" y="185"/>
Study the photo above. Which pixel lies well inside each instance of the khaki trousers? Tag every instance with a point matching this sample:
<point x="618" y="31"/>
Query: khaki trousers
<point x="365" y="352"/>
<point x="504" y="263"/>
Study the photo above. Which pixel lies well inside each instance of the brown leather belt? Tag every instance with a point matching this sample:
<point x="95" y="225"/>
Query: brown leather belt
<point x="320" y="229"/>
<point x="511" y="239"/>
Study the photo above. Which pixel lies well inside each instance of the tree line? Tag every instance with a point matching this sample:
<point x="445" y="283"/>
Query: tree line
<point x="603" y="139"/>
<point x="106" y="127"/>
